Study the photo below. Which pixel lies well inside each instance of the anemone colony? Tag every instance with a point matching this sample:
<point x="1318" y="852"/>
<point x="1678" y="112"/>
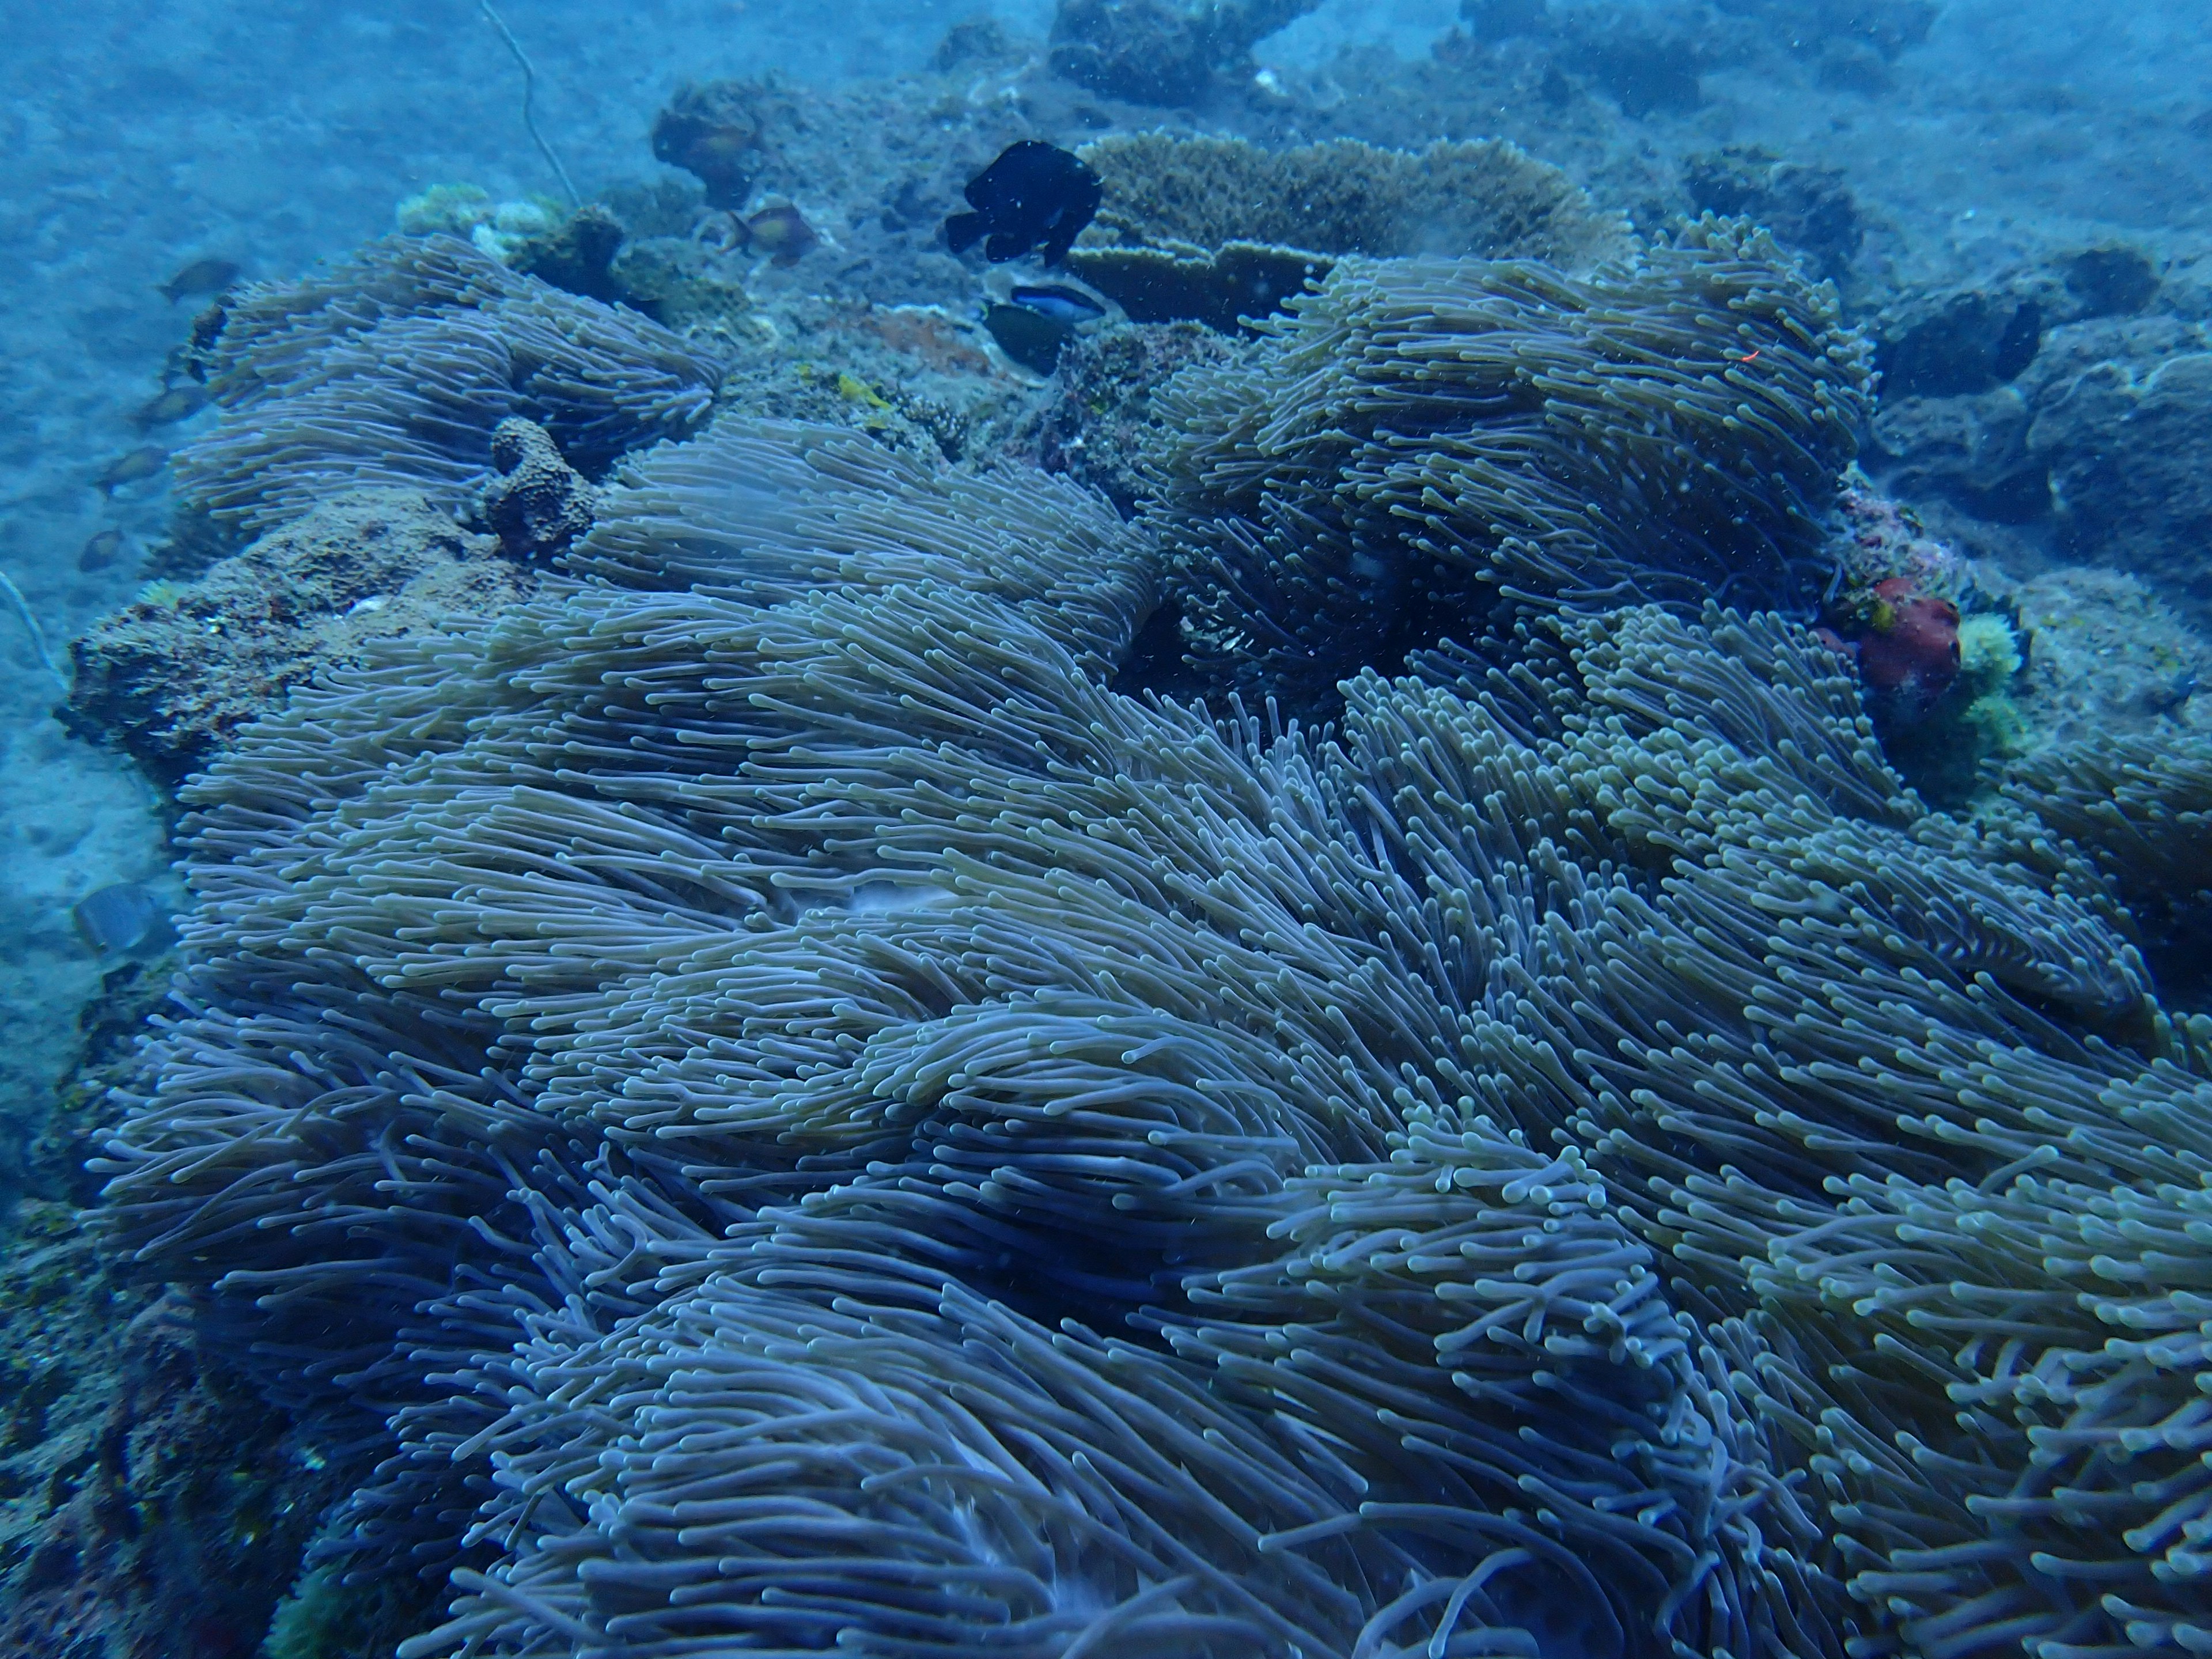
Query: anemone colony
<point x="1424" y="436"/>
<point x="784" y="1113"/>
<point x="394" y="368"/>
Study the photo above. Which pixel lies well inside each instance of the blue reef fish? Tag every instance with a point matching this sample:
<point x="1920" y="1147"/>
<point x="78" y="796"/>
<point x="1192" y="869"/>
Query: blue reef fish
<point x="201" y="276"/>
<point x="142" y="462"/>
<point x="1071" y="305"/>
<point x="1035" y="198"/>
<point x="178" y="403"/>
<point x="127" y="917"/>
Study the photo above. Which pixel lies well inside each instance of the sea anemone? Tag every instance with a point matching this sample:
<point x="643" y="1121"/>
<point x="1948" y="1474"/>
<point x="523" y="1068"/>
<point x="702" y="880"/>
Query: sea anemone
<point x="790" y="1114"/>
<point x="395" y="367"/>
<point x="1428" y="449"/>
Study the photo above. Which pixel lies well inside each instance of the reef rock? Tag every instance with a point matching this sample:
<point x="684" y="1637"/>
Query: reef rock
<point x="150" y="1500"/>
<point x="1165" y="52"/>
<point x="2100" y="439"/>
<point x="1103" y="423"/>
<point x="2129" y="456"/>
<point x="173" y="677"/>
<point x="539" y="504"/>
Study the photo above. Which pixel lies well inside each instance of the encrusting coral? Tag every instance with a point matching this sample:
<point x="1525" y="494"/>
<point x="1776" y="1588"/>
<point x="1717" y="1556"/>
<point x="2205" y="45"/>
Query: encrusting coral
<point x="172" y="676"/>
<point x="394" y="368"/>
<point x="1424" y="438"/>
<point x="796" y="1116"/>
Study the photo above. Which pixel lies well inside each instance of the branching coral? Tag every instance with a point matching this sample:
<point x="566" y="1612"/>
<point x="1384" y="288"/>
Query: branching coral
<point x="395" y="367"/>
<point x="800" y="1118"/>
<point x="1425" y="436"/>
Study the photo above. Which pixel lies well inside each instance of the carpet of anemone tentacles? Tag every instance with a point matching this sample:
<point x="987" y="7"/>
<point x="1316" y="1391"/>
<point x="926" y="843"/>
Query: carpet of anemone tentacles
<point x="780" y="1112"/>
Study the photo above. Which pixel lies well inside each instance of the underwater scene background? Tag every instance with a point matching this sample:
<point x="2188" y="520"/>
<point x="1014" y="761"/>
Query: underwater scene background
<point x="1251" y="828"/>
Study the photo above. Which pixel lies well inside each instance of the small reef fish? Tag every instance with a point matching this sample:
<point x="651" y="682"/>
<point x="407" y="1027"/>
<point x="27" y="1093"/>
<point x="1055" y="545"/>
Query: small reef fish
<point x="1035" y="198"/>
<point x="782" y="232"/>
<point x="201" y="276"/>
<point x="179" y="403"/>
<point x="142" y="462"/>
<point x="1071" y="305"/>
<point x="119" y="920"/>
<point x="1030" y="338"/>
<point x="101" y="551"/>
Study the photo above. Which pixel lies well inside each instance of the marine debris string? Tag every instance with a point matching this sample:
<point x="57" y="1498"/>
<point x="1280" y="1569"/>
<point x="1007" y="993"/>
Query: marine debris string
<point x="529" y="86"/>
<point x="21" y="607"/>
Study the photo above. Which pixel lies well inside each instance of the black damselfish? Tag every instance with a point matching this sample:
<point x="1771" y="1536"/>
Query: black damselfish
<point x="1034" y="197"/>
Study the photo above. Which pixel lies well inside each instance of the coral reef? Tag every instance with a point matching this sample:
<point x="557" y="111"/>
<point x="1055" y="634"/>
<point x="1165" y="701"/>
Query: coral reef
<point x="394" y="368"/>
<point x="445" y="209"/>
<point x="539" y="504"/>
<point x="1168" y="53"/>
<point x="2050" y="401"/>
<point x="173" y="676"/>
<point x="798" y="1110"/>
<point x="1425" y="439"/>
<point x="1214" y="229"/>
<point x="576" y="253"/>
<point x="714" y="131"/>
<point x="1103" y="423"/>
<point x="1808" y="209"/>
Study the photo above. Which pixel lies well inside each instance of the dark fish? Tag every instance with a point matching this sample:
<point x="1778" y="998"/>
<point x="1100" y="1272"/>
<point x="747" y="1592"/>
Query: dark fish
<point x="1071" y="305"/>
<point x="99" y="552"/>
<point x="123" y="918"/>
<point x="1036" y="197"/>
<point x="201" y="276"/>
<point x="142" y="462"/>
<point x="2165" y="698"/>
<point x="782" y="234"/>
<point x="1030" y="338"/>
<point x="179" y="403"/>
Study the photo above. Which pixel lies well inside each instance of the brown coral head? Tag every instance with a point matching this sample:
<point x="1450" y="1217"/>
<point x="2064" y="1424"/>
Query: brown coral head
<point x="711" y="132"/>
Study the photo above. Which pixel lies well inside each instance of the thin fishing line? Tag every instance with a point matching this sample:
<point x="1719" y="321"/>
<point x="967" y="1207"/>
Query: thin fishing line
<point x="529" y="86"/>
<point x="22" y="608"/>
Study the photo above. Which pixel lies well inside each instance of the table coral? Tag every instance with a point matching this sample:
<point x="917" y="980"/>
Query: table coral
<point x="1214" y="229"/>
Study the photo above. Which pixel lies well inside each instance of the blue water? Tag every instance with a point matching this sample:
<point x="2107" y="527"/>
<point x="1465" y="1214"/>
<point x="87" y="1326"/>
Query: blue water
<point x="135" y="139"/>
